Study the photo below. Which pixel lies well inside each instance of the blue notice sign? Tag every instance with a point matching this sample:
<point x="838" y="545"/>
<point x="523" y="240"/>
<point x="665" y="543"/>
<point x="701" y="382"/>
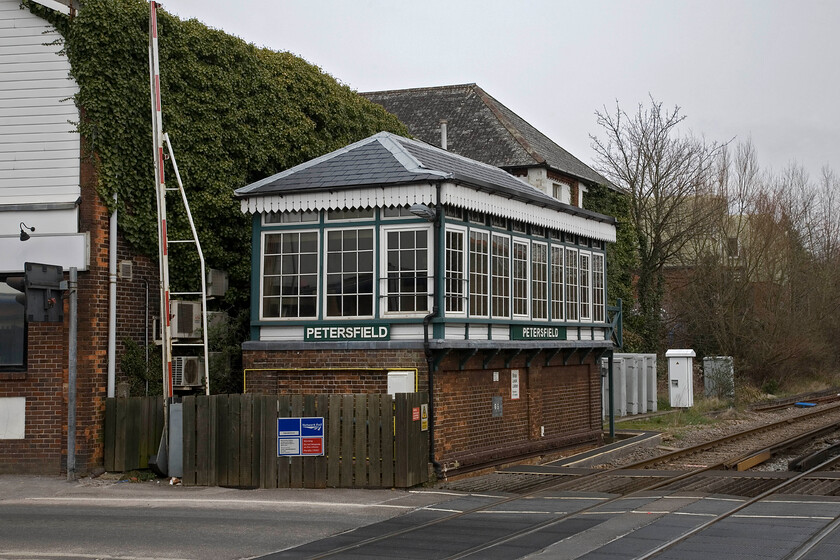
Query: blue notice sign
<point x="300" y="437"/>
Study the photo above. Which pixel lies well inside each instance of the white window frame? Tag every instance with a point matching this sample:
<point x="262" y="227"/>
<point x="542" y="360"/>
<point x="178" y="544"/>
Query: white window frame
<point x="570" y="282"/>
<point x="383" y="270"/>
<point x="262" y="297"/>
<point x="556" y="279"/>
<point x="513" y="278"/>
<point x="488" y="275"/>
<point x="585" y="286"/>
<point x="546" y="285"/>
<point x="266" y="222"/>
<point x="465" y="272"/>
<point x="324" y="267"/>
<point x="329" y="220"/>
<point x="401" y="216"/>
<point x="493" y="296"/>
<point x="599" y="288"/>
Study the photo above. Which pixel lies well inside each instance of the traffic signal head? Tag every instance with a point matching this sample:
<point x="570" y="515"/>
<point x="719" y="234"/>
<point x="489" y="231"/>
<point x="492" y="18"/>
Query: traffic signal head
<point x="41" y="292"/>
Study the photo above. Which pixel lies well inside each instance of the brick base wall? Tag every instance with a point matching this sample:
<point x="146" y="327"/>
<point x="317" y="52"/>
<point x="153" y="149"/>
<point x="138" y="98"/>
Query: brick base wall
<point x="558" y="405"/>
<point x="44" y="387"/>
<point x="44" y="382"/>
<point x="328" y="371"/>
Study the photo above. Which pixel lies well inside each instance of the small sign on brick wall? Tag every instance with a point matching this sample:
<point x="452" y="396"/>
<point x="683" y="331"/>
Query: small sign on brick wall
<point x="514" y="384"/>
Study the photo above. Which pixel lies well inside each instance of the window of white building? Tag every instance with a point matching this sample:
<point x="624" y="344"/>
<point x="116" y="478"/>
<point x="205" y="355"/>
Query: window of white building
<point x="349" y="273"/>
<point x="598" y="288"/>
<point x="585" y="286"/>
<point x="407" y="271"/>
<point x="571" y="277"/>
<point x="12" y="329"/>
<point x="290" y="275"/>
<point x="520" y="279"/>
<point x="455" y="282"/>
<point x="500" y="273"/>
<point x="557" y="306"/>
<point x="479" y="273"/>
<point x="539" y="281"/>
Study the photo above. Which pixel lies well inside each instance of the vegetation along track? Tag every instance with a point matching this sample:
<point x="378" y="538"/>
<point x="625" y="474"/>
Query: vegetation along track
<point x="728" y="449"/>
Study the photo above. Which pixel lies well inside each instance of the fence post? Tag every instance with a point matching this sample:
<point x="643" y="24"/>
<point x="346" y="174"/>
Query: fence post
<point x="401" y="423"/>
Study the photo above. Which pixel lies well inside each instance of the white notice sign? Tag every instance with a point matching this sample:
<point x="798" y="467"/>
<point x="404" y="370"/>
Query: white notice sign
<point x="289" y="446"/>
<point x="514" y="384"/>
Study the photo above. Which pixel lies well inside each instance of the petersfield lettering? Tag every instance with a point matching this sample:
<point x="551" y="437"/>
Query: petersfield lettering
<point x="540" y="332"/>
<point x="347" y="333"/>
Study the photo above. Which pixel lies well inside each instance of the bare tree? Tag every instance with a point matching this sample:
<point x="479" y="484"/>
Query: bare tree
<point x="767" y="295"/>
<point x="668" y="177"/>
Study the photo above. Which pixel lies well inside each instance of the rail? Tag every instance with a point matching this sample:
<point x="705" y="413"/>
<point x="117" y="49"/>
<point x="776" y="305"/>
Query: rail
<point x="658" y="483"/>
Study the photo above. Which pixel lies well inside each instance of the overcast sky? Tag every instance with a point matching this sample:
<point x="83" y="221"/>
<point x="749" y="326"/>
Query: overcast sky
<point x="762" y="69"/>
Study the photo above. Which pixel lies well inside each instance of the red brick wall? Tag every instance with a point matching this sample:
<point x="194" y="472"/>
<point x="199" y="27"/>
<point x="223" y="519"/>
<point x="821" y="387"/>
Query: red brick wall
<point x="44" y="383"/>
<point x="44" y="386"/>
<point x="565" y="400"/>
<point x="327" y="371"/>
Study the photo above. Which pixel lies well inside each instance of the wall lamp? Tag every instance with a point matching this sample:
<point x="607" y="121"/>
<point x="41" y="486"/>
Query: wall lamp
<point x="423" y="211"/>
<point x="23" y="235"/>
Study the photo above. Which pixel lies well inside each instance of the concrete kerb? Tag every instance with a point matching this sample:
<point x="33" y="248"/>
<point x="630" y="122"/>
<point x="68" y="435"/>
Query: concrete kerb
<point x="628" y="442"/>
<point x="17" y="488"/>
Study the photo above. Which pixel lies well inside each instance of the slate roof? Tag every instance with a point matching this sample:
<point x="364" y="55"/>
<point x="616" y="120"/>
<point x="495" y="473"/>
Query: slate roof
<point x="388" y="159"/>
<point x="480" y="128"/>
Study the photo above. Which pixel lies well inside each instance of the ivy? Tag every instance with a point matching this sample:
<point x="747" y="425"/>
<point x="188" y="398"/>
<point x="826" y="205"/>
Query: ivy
<point x="235" y="113"/>
<point x="621" y="255"/>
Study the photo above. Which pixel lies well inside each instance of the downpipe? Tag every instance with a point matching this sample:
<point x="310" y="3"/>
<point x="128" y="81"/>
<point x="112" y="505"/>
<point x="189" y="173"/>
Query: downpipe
<point x="430" y="362"/>
<point x="427" y="350"/>
<point x="112" y="302"/>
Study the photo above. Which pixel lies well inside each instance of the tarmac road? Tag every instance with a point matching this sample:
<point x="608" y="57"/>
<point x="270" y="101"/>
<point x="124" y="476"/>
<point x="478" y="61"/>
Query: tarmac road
<point x="48" y="517"/>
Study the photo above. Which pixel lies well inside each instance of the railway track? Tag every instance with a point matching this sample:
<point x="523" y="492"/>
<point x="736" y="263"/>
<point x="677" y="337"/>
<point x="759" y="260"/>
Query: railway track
<point x="700" y="468"/>
<point x="800" y="552"/>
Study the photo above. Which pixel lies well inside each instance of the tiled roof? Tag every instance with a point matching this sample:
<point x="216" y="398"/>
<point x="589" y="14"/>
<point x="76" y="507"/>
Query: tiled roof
<point x="388" y="159"/>
<point x="480" y="128"/>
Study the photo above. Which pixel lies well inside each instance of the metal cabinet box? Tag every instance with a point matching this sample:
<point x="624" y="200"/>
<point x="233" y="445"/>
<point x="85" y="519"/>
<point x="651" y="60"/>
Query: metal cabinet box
<point x="681" y="377"/>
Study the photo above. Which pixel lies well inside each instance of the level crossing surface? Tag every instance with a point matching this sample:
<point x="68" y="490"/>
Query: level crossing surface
<point x="627" y="528"/>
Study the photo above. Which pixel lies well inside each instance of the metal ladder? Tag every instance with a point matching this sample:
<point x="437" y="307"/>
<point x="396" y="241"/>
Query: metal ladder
<point x="159" y="138"/>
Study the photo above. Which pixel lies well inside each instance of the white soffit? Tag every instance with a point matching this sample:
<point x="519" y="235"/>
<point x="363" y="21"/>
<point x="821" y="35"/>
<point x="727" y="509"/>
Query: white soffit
<point x="64" y="250"/>
<point x="470" y="199"/>
<point x="366" y="197"/>
<point x="456" y="195"/>
<point x="53" y="5"/>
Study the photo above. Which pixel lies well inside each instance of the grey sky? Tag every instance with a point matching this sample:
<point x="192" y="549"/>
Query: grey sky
<point x="761" y="69"/>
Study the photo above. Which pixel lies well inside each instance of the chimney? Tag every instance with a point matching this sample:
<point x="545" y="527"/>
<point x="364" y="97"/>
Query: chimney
<point x="443" y="134"/>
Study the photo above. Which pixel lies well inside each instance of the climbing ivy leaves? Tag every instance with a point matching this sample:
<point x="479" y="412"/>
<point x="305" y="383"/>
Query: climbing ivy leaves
<point x="235" y="113"/>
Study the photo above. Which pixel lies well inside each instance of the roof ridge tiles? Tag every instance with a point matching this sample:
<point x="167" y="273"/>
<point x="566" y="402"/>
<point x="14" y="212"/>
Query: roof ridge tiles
<point x="493" y="105"/>
<point x="470" y="85"/>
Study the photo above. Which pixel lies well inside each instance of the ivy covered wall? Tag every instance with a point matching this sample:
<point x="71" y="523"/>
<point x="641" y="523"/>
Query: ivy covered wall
<point x="235" y="113"/>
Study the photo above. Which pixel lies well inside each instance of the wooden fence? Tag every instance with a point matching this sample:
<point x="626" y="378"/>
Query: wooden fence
<point x="371" y="441"/>
<point x="132" y="432"/>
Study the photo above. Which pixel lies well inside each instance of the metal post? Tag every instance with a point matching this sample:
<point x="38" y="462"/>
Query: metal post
<point x="71" y="377"/>
<point x="611" y="398"/>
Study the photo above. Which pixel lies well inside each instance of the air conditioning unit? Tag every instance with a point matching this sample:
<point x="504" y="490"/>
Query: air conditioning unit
<point x="186" y="318"/>
<point x="187" y="371"/>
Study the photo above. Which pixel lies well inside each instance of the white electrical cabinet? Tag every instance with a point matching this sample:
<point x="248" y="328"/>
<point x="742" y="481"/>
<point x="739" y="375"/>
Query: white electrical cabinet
<point x="681" y="377"/>
<point x="400" y="382"/>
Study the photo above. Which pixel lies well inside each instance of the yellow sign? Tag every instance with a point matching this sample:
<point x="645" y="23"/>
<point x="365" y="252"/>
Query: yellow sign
<point x="424" y="417"/>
